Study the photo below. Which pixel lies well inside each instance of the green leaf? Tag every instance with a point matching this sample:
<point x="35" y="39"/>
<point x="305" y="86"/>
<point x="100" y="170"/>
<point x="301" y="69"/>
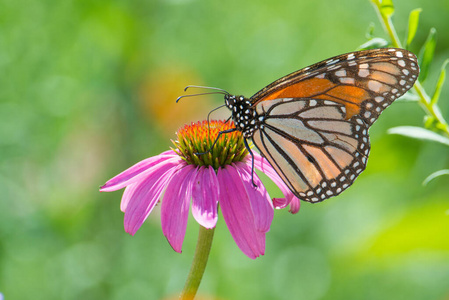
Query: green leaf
<point x="440" y="82"/>
<point x="373" y="44"/>
<point x="387" y="8"/>
<point x="419" y="133"/>
<point x="426" y="54"/>
<point x="409" y="97"/>
<point x="435" y="175"/>
<point x="413" y="20"/>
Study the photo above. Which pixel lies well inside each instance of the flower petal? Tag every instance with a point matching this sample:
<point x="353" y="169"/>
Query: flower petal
<point x="127" y="194"/>
<point x="205" y="197"/>
<point x="175" y="206"/>
<point x="261" y="205"/>
<point x="237" y="212"/>
<point x="140" y="199"/>
<point x="139" y="170"/>
<point x="263" y="165"/>
<point x="280" y="203"/>
<point x="294" y="205"/>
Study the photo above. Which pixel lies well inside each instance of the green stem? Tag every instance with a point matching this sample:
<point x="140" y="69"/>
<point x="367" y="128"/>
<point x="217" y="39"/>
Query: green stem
<point x="388" y="25"/>
<point x="424" y="99"/>
<point x="205" y="237"/>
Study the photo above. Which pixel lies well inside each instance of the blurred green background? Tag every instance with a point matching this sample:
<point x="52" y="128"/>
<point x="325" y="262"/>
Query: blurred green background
<point x="87" y="88"/>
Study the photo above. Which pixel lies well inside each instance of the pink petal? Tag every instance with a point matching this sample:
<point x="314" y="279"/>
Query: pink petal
<point x="294" y="205"/>
<point x="175" y="206"/>
<point x="261" y="205"/>
<point x="280" y="203"/>
<point x="263" y="165"/>
<point x="129" y="191"/>
<point x="237" y="212"/>
<point x="139" y="170"/>
<point x="140" y="199"/>
<point x="205" y="197"/>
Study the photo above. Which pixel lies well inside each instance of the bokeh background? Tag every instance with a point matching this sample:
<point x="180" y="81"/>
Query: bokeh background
<point x="88" y="88"/>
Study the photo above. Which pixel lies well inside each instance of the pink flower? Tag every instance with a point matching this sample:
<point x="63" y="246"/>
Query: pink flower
<point x="247" y="210"/>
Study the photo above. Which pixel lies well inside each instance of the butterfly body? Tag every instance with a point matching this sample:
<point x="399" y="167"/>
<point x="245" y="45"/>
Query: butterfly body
<point x="312" y="125"/>
<point x="243" y="114"/>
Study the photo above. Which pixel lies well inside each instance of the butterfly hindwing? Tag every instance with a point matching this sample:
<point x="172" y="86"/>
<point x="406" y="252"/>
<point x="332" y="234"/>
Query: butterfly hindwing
<point x="315" y="150"/>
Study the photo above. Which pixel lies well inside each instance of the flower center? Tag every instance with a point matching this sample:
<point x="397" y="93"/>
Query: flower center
<point x="194" y="144"/>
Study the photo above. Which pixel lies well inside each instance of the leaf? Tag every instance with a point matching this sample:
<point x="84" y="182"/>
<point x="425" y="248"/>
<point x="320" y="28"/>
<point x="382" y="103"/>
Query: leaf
<point x="419" y="133"/>
<point x="373" y="44"/>
<point x="435" y="175"/>
<point x="409" y="97"/>
<point x="387" y="8"/>
<point x="426" y="54"/>
<point x="440" y="82"/>
<point x="413" y="21"/>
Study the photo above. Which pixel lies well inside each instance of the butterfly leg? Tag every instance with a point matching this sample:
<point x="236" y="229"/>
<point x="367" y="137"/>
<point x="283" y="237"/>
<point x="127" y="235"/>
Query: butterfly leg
<point x="216" y="140"/>
<point x="252" y="161"/>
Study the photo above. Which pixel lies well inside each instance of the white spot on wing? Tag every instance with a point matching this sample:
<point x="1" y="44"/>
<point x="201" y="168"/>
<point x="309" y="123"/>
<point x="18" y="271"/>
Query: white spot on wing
<point x="334" y="67"/>
<point x="347" y="80"/>
<point x="341" y="73"/>
<point x="374" y="85"/>
<point x="331" y="61"/>
<point x="363" y="72"/>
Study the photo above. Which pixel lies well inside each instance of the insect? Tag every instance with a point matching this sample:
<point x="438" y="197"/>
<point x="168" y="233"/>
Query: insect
<point x="312" y="125"/>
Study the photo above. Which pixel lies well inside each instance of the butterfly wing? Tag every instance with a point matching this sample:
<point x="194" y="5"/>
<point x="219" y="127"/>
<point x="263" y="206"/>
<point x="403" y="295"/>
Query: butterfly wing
<point x="314" y="122"/>
<point x="315" y="150"/>
<point x="366" y="82"/>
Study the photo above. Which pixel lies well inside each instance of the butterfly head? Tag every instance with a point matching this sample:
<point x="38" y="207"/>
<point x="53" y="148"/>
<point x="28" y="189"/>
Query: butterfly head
<point x="243" y="114"/>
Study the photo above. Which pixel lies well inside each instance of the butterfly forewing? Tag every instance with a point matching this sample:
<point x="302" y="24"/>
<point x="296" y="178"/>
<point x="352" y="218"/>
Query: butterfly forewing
<point x="314" y="123"/>
<point x="366" y="82"/>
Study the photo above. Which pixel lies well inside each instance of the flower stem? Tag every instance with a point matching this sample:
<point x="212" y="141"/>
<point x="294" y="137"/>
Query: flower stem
<point x="424" y="99"/>
<point x="205" y="237"/>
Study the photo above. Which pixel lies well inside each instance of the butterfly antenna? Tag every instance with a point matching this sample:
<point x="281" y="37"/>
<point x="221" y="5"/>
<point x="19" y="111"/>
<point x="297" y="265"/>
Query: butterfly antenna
<point x="206" y="88"/>
<point x="216" y="91"/>
<point x="199" y="94"/>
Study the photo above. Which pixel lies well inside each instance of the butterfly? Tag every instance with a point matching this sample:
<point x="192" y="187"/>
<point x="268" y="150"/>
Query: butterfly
<point x="312" y="125"/>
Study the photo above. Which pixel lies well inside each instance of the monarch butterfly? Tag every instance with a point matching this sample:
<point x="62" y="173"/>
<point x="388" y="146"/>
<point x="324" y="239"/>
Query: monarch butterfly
<point x="312" y="125"/>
